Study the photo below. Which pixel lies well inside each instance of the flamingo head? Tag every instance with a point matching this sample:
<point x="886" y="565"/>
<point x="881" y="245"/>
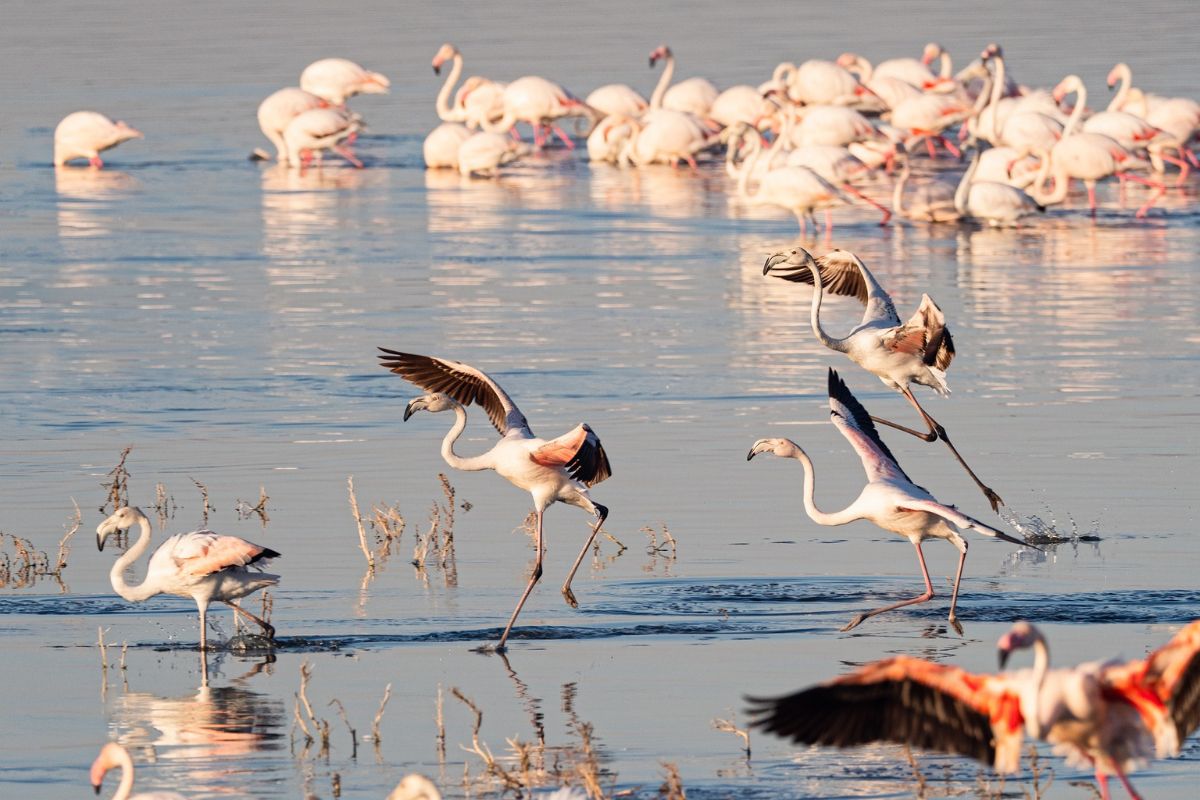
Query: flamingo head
<point x="415" y="787"/>
<point x="444" y="54"/>
<point x="789" y="264"/>
<point x="932" y="51"/>
<point x="1114" y="75"/>
<point x="662" y="51"/>
<point x="1069" y="84"/>
<point x="847" y="60"/>
<point x="121" y="520"/>
<point x="783" y="448"/>
<point x="1020" y="636"/>
<point x="433" y="402"/>
<point x="993" y="50"/>
<point x="110" y="756"/>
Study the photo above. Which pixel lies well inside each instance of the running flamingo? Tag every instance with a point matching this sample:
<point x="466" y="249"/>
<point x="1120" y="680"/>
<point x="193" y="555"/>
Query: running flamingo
<point x="85" y="134"/>
<point x="900" y="355"/>
<point x="113" y="755"/>
<point x="558" y="470"/>
<point x="1110" y="716"/>
<point x="890" y="499"/>
<point x="202" y="565"/>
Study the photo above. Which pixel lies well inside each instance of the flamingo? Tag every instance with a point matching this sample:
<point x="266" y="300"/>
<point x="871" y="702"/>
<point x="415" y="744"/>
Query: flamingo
<point x="202" y="565"/>
<point x="320" y="129"/>
<point x="932" y="201"/>
<point x="85" y="134"/>
<point x="279" y="109"/>
<point x="919" y="351"/>
<point x="890" y="499"/>
<point x="818" y="82"/>
<point x="441" y="145"/>
<point x="556" y="470"/>
<point x="476" y="100"/>
<point x="415" y="787"/>
<point x="339" y="79"/>
<point x="538" y="102"/>
<point x="1110" y="716"/>
<point x="927" y="116"/>
<point x="692" y="96"/>
<point x="666" y="137"/>
<point x="113" y="755"/>
<point x="739" y="104"/>
<point x="836" y="125"/>
<point x="912" y="71"/>
<point x="484" y="153"/>
<point x="608" y="139"/>
<point x="617" y="99"/>
<point x="1006" y="165"/>
<point x="998" y="204"/>
<point x="1178" y="116"/>
<point x="1024" y="124"/>
<point x="836" y="165"/>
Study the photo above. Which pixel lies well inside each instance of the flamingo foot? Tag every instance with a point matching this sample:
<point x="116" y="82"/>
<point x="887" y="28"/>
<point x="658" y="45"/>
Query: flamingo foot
<point x="569" y="596"/>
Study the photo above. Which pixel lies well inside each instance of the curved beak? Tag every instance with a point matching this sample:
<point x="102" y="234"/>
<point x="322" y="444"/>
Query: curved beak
<point x="1003" y="657"/>
<point x="652" y="60"/>
<point x="437" y="69"/>
<point x="103" y="531"/>
<point x="773" y="260"/>
<point x="414" y="405"/>
<point x="97" y="788"/>
<point x="751" y="454"/>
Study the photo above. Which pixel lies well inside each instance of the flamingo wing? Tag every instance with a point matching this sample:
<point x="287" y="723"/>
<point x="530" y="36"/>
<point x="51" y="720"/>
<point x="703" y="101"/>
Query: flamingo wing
<point x="578" y="451"/>
<point x="925" y="335"/>
<point x="1165" y="688"/>
<point x="202" y="553"/>
<point x="461" y="381"/>
<point x="959" y="519"/>
<point x="848" y="275"/>
<point x="855" y="424"/>
<point x="904" y="700"/>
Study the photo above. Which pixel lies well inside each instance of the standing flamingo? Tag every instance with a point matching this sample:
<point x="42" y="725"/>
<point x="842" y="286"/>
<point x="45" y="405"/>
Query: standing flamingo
<point x="1110" y="716"/>
<point x="85" y="134"/>
<point x="918" y="351"/>
<point x="930" y="201"/>
<point x="617" y="99"/>
<point x="693" y="96"/>
<point x="538" y="102"/>
<point x="440" y="147"/>
<point x="890" y="499"/>
<point x="339" y="79"/>
<point x="555" y="470"/>
<point x="202" y="565"/>
<point x="320" y="129"/>
<point x="113" y="755"/>
<point x="476" y="100"/>
<point x="277" y="111"/>
<point x="484" y="153"/>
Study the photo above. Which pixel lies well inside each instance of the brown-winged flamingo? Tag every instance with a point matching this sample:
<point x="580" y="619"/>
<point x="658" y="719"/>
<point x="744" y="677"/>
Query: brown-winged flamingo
<point x="277" y="111"/>
<point x="113" y="755"/>
<point x="202" y="565"/>
<point x="339" y="79"/>
<point x="1108" y="716"/>
<point x="890" y="499"/>
<point x="918" y="351"/>
<point x="556" y="470"/>
<point x="86" y="134"/>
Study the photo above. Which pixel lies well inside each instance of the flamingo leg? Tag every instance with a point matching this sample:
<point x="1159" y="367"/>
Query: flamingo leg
<point x="1102" y="781"/>
<point x="566" y="140"/>
<point x="514" y="133"/>
<point x="345" y="153"/>
<point x="929" y="147"/>
<point x="267" y="627"/>
<point x="962" y="560"/>
<point x="533" y="579"/>
<point x="96" y="162"/>
<point x="924" y="597"/>
<point x="887" y="214"/>
<point x="950" y="148"/>
<point x="203" y="625"/>
<point x="1141" y="212"/>
<point x="1091" y="189"/>
<point x="1128" y="786"/>
<point x="568" y="595"/>
<point x="1183" y="167"/>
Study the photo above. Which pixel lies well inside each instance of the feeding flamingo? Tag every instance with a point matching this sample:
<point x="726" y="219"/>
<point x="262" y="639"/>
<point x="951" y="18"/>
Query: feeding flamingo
<point x="556" y="470"/>
<point x="202" y="565"/>
<point x="890" y="499"/>
<point x="919" y="351"/>
<point x="113" y="755"/>
<point x="440" y="147"/>
<point x="484" y="153"/>
<point x="339" y="79"/>
<point x="1000" y="205"/>
<point x="617" y="99"/>
<point x="1109" y="716"/>
<point x="277" y="111"/>
<point x="537" y="102"/>
<point x="86" y="134"/>
<point x="929" y="201"/>
<point x="320" y="129"/>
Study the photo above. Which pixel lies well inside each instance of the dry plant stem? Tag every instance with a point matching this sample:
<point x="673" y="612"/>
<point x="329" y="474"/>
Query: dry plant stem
<point x="387" y="695"/>
<point x="353" y="733"/>
<point x="728" y="726"/>
<point x="205" y="507"/>
<point x="335" y="781"/>
<point x="321" y="725"/>
<point x="103" y="648"/>
<point x="362" y="534"/>
<point x="118" y="485"/>
<point x="440" y="740"/>
<point x="63" y="548"/>
<point x="672" y="787"/>
<point x="124" y="650"/>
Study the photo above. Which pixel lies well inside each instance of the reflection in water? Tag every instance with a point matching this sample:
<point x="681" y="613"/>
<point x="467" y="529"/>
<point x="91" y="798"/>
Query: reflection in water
<point x="298" y="208"/>
<point x="86" y="198"/>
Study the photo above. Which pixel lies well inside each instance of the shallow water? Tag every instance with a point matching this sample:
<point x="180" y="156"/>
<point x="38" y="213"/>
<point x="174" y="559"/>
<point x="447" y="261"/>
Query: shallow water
<point x="221" y="318"/>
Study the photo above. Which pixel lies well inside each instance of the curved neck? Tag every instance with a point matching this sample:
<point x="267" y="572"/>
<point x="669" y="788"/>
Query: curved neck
<point x="964" y="186"/>
<point x="1077" y="111"/>
<point x="898" y="191"/>
<point x="664" y="81"/>
<point x="784" y="71"/>
<point x="748" y="165"/>
<point x="125" y="787"/>
<point x="1041" y="666"/>
<point x="444" y="111"/>
<point x="472" y="464"/>
<point x="1125" y="76"/>
<point x="1039" y="182"/>
<point x="947" y="67"/>
<point x="863" y="68"/>
<point x="997" y="90"/>
<point x="810" y="489"/>
<point x="141" y="591"/>
<point x="815" y="319"/>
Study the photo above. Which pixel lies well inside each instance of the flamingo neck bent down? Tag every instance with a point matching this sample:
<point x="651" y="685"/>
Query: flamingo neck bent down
<point x="1125" y="76"/>
<point x="133" y="594"/>
<point x="125" y="787"/>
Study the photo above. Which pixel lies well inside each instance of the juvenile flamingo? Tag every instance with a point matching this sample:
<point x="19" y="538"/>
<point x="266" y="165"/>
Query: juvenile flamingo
<point x="900" y="355"/>
<point x="202" y="565"/>
<point x="1109" y="716"/>
<point x="556" y="470"/>
<point x="86" y="134"/>
<point x="113" y="755"/>
<point x="890" y="499"/>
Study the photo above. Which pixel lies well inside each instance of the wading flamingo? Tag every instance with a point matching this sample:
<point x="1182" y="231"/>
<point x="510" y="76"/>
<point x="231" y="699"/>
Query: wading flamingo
<point x="440" y="147"/>
<point x="692" y="96"/>
<point x="86" y="134"/>
<point x="202" y="565"/>
<point x="617" y="99"/>
<point x="279" y="109"/>
<point x="339" y="79"/>
<point x="320" y="129"/>
<point x="918" y="351"/>
<point x="890" y="499"/>
<point x="538" y="102"/>
<point x="415" y="787"/>
<point x="1109" y="716"/>
<point x="1000" y="205"/>
<point x="1178" y="116"/>
<point x="476" y="100"/>
<point x="484" y="153"/>
<point x="558" y="470"/>
<point x="928" y="201"/>
<point x="113" y="755"/>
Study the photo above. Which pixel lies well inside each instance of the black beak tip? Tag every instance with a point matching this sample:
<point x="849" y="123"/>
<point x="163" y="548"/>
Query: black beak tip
<point x="96" y="788"/>
<point x="100" y="544"/>
<point x="437" y="70"/>
<point x="1003" y="658"/>
<point x="750" y="455"/>
<point x="651" y="61"/>
<point x="407" y="413"/>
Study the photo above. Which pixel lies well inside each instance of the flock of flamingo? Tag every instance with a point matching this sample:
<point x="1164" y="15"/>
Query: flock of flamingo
<point x="829" y="123"/>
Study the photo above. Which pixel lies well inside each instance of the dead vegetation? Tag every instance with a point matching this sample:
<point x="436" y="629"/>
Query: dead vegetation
<point x="117" y="485"/>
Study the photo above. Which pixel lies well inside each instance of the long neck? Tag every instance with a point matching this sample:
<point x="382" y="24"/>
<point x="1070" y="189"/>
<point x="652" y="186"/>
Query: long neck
<point x="997" y="90"/>
<point x="125" y="787"/>
<point x="444" y="110"/>
<point x="964" y="186"/>
<point x="1039" y="183"/>
<point x="472" y="464"/>
<point x="898" y="191"/>
<point x="664" y="81"/>
<point x="1041" y="666"/>
<point x="1126" y="77"/>
<point x="141" y="591"/>
<point x="748" y="165"/>
<point x="947" y="67"/>
<point x="810" y="489"/>
<point x="815" y="316"/>
<point x="1077" y="111"/>
<point x="863" y="68"/>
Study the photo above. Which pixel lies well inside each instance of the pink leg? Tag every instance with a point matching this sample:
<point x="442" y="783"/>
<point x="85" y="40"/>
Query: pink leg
<point x="828" y="220"/>
<point x="345" y="153"/>
<point x="962" y="559"/>
<point x="96" y="162"/>
<point x="533" y="579"/>
<point x="946" y="143"/>
<point x="1133" y="795"/>
<point x="692" y="163"/>
<point x="1183" y="167"/>
<point x="565" y="139"/>
<point x="929" y="146"/>
<point x="922" y="598"/>
<point x="1102" y="780"/>
<point x="1160" y="191"/>
<point x="514" y="133"/>
<point x="887" y="215"/>
<point x="1091" y="187"/>
<point x="538" y="141"/>
<point x="1190" y="156"/>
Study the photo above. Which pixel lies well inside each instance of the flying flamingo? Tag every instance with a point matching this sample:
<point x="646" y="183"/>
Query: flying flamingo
<point x="1000" y="205"/>
<point x="113" y="755"/>
<point x="555" y="470"/>
<point x="202" y="565"/>
<point x="538" y="102"/>
<point x="339" y="79"/>
<point x="320" y="129"/>
<point x="279" y="109"/>
<point x="476" y="100"/>
<point x="693" y="96"/>
<point x="918" y="351"/>
<point x="1110" y="716"/>
<point x="85" y="134"/>
<point x="890" y="499"/>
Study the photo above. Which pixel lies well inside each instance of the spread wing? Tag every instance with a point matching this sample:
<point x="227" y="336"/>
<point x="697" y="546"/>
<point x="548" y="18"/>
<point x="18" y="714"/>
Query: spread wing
<point x="855" y="424"/>
<point x="461" y="381"/>
<point x="579" y="451"/>
<point x="844" y="273"/>
<point x="925" y="335"/>
<point x="201" y="553"/>
<point x="1165" y="688"/>
<point x="904" y="700"/>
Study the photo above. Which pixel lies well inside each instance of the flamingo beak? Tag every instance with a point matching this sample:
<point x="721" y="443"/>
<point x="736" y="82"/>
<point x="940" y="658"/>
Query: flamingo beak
<point x="773" y="260"/>
<point x="751" y="454"/>
<point x="103" y="531"/>
<point x="414" y="405"/>
<point x="1003" y="657"/>
<point x="437" y="69"/>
